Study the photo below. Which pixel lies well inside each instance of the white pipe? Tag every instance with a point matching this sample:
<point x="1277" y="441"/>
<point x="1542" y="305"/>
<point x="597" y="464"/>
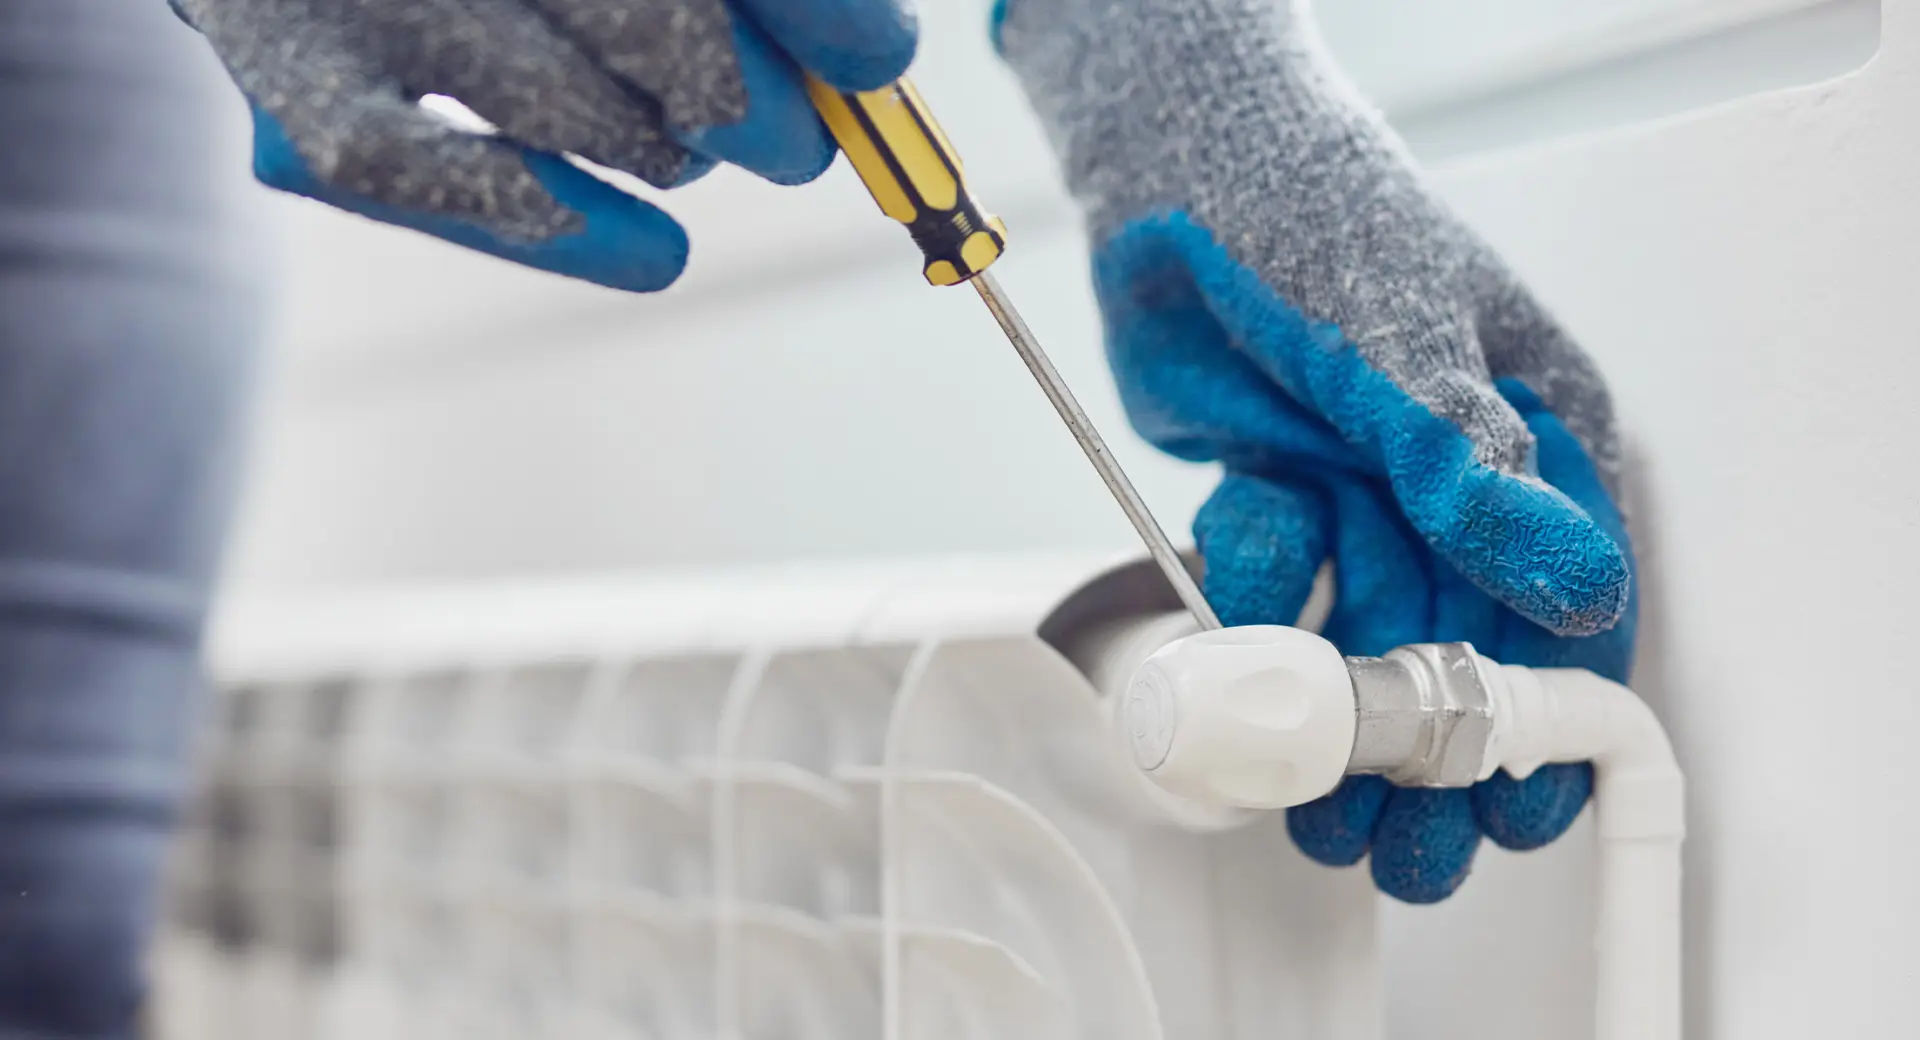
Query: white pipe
<point x="1573" y="715"/>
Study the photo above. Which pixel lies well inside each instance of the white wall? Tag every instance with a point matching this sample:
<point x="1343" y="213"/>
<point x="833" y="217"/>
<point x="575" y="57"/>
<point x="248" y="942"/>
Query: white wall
<point x="1741" y="271"/>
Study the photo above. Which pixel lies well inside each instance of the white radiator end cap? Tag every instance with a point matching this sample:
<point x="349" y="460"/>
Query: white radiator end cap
<point x="1257" y="717"/>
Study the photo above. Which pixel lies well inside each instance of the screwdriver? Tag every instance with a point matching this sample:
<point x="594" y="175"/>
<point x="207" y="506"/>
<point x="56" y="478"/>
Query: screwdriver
<point x="913" y="172"/>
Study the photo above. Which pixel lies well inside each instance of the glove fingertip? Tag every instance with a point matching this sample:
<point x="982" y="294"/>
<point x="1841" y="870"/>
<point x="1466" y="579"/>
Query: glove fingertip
<point x="781" y="137"/>
<point x="997" y="26"/>
<point x="627" y="244"/>
<point x="870" y="70"/>
<point x="790" y="156"/>
<point x="1424" y="845"/>
<point x="696" y="167"/>
<point x="276" y="162"/>
<point x="1527" y="814"/>
<point x="853" y="45"/>
<point x="1337" y="830"/>
<point x="1536" y="550"/>
<point x="1263" y="543"/>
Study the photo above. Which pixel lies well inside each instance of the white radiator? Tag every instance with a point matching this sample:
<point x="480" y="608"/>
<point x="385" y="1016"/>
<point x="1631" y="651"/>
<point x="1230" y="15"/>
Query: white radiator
<point x="813" y="803"/>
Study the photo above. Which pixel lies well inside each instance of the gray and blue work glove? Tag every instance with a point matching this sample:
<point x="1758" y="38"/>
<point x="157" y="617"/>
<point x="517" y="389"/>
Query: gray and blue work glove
<point x="1282" y="295"/>
<point x="661" y="89"/>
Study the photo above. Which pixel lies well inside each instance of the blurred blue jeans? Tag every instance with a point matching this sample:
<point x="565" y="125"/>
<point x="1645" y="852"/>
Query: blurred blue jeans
<point x="127" y="329"/>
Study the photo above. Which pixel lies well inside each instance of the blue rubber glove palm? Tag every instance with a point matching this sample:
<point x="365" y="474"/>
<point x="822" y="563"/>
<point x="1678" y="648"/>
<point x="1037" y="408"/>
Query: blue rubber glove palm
<point x="1283" y="295"/>
<point x="660" y="89"/>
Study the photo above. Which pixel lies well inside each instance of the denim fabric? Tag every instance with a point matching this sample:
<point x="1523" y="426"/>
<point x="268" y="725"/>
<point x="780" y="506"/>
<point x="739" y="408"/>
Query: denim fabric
<point x="126" y="338"/>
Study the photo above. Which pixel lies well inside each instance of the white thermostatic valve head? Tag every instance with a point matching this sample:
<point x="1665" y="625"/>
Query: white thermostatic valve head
<point x="1260" y="717"/>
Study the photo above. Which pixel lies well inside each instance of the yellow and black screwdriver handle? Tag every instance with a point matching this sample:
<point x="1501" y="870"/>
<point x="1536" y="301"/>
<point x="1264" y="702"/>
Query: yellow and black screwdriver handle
<point x="914" y="174"/>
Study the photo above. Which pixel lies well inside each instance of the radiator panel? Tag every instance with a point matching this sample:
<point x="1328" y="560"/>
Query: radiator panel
<point x="806" y="803"/>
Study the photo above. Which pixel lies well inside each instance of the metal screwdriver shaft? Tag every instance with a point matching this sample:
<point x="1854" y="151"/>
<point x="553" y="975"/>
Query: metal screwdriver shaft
<point x="907" y="164"/>
<point x="1096" y="451"/>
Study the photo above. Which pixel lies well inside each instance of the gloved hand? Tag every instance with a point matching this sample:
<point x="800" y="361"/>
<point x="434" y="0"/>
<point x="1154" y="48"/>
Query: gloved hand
<point x="661" y="89"/>
<point x="1282" y="295"/>
<point x="1265" y="535"/>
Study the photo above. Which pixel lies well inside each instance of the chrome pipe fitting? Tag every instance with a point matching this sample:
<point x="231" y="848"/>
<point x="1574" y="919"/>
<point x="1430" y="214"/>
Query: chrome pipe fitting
<point x="1425" y="715"/>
